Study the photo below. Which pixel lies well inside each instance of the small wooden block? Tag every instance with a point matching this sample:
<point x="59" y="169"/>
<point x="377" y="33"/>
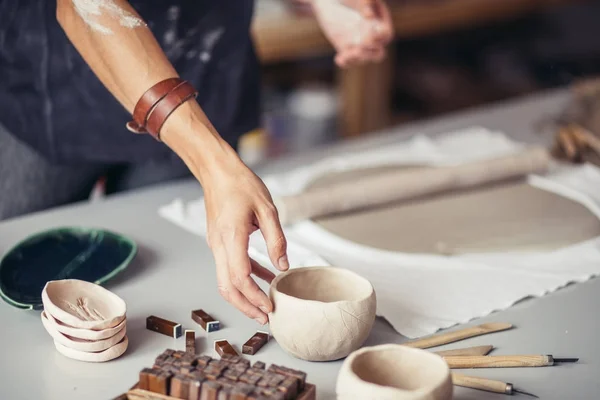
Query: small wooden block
<point x="166" y="327"/>
<point x="210" y="390"/>
<point x="159" y="383"/>
<point x="299" y="375"/>
<point x="255" y="343"/>
<point x="195" y="388"/>
<point x="259" y="365"/>
<point x="223" y="347"/>
<point x="206" y="321"/>
<point x="144" y="382"/>
<point x="190" y="342"/>
<point x="180" y="387"/>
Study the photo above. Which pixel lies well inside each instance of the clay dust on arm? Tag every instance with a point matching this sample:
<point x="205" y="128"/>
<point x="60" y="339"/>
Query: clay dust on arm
<point x="99" y="14"/>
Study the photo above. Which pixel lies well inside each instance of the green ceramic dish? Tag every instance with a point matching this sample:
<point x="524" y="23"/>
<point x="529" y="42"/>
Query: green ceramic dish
<point x="92" y="255"/>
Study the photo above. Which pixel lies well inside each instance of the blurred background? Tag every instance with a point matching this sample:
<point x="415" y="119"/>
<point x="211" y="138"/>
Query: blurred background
<point x="448" y="55"/>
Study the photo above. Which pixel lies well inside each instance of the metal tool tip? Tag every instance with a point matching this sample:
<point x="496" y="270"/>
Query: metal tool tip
<point x="525" y="393"/>
<point x="566" y="360"/>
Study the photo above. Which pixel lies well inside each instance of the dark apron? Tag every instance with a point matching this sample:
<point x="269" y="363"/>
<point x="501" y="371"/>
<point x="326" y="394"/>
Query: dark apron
<point x="52" y="101"/>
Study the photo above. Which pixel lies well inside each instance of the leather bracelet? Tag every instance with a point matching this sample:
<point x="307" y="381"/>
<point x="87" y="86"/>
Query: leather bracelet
<point x="148" y="101"/>
<point x="167" y="105"/>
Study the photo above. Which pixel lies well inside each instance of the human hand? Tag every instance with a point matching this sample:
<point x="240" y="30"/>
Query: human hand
<point x="359" y="30"/>
<point x="237" y="204"/>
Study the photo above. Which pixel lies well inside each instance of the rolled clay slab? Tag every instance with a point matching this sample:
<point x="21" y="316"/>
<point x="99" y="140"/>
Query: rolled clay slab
<point x="82" y="304"/>
<point x="394" y="372"/>
<point x="397" y="185"/>
<point x="321" y="313"/>
<point x="85" y="334"/>
<point x="82" y="344"/>
<point x="101" y="356"/>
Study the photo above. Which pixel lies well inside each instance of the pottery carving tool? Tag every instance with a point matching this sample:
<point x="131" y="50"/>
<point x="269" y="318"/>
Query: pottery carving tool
<point x="450" y="337"/>
<point x="516" y="361"/>
<point x="488" y="385"/>
<point x="468" y="351"/>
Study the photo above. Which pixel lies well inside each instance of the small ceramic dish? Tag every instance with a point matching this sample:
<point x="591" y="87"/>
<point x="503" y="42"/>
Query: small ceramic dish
<point x="93" y="255"/>
<point x="85" y="334"/>
<point x="82" y="304"/>
<point x="394" y="372"/>
<point x="321" y="313"/>
<point x="101" y="356"/>
<point x="81" y="344"/>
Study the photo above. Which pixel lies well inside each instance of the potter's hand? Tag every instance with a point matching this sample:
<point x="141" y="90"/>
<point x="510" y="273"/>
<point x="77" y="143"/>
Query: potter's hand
<point x="237" y="204"/>
<point x="359" y="30"/>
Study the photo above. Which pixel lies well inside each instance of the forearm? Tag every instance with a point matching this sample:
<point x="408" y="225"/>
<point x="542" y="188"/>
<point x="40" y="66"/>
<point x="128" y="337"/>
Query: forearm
<point x="128" y="61"/>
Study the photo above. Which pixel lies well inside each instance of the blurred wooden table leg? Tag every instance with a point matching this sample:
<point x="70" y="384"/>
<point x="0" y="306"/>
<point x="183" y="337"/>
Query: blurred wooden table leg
<point x="365" y="93"/>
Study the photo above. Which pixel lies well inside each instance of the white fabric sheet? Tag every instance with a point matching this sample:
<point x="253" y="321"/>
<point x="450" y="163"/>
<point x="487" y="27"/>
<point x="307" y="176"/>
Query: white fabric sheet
<point x="422" y="293"/>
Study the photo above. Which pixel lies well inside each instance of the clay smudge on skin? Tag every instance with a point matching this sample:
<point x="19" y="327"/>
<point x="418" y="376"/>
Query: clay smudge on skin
<point x="90" y="10"/>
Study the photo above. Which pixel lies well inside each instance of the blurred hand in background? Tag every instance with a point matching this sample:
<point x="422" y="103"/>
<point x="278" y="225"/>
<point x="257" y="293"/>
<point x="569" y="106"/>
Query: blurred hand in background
<point x="359" y="30"/>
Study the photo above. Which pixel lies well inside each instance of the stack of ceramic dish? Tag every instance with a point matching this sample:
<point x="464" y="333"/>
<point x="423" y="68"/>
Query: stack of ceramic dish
<point x="86" y="321"/>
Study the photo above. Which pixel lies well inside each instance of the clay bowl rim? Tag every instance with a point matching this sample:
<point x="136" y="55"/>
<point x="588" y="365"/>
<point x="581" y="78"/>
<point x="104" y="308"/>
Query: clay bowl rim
<point x="337" y="270"/>
<point x="88" y="357"/>
<point x="71" y="320"/>
<point x="75" y="332"/>
<point x="72" y="344"/>
<point x="352" y="358"/>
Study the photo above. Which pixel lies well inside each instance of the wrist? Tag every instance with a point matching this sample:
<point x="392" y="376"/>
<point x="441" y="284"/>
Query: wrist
<point x="189" y="133"/>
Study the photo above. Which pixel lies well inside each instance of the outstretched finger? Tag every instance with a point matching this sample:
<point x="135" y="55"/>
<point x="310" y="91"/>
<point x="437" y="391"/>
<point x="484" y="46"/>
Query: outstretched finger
<point x="229" y="292"/>
<point x="240" y="269"/>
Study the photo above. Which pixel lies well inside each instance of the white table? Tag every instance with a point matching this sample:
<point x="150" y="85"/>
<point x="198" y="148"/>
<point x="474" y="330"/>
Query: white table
<point x="174" y="273"/>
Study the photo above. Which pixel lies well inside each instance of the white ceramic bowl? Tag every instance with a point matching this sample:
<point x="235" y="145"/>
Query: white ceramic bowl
<point x="82" y="344"/>
<point x="321" y="313"/>
<point x="85" y="334"/>
<point x="82" y="304"/>
<point x="394" y="372"/>
<point x="100" y="356"/>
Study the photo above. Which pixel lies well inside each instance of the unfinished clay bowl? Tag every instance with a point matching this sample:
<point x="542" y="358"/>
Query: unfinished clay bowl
<point x="321" y="313"/>
<point x="82" y="304"/>
<point x="85" y="334"/>
<point x="82" y="344"/>
<point x="394" y="372"/>
<point x="100" y="356"/>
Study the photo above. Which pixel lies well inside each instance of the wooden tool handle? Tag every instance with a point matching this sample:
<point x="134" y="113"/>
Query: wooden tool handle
<point x="403" y="185"/>
<point x="489" y="385"/>
<point x="449" y="337"/>
<point x="498" y="361"/>
<point x="468" y="351"/>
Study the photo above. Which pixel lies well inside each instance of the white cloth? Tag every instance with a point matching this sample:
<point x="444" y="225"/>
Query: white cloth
<point x="422" y="293"/>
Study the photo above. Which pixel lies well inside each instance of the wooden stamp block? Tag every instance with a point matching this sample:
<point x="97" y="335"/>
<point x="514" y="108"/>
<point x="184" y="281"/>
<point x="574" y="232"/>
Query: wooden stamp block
<point x="190" y="342"/>
<point x="163" y="326"/>
<point x="206" y="321"/>
<point x="180" y="387"/>
<point x="223" y="347"/>
<point x="255" y="343"/>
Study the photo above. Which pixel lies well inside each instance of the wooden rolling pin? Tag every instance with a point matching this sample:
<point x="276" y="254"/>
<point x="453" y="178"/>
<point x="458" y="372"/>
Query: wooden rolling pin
<point x="403" y="185"/>
<point x="504" y="361"/>
<point x="488" y="385"/>
<point x="450" y="337"/>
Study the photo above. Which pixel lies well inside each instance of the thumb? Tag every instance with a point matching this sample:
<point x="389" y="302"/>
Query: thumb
<point x="272" y="232"/>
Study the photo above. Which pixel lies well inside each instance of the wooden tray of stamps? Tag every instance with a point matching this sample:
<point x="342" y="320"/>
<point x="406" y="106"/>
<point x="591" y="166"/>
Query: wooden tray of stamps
<point x="180" y="375"/>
